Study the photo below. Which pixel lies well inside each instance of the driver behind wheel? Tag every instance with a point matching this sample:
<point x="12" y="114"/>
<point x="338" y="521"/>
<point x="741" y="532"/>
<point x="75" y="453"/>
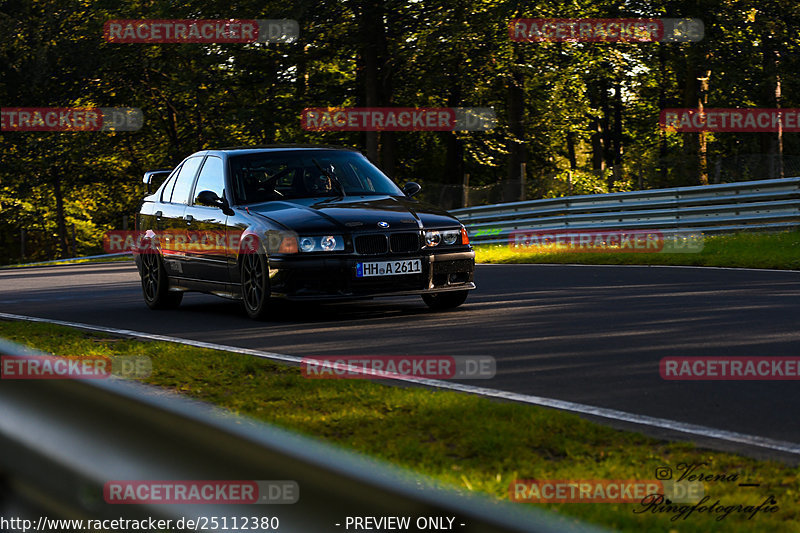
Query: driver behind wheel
<point x="318" y="184"/>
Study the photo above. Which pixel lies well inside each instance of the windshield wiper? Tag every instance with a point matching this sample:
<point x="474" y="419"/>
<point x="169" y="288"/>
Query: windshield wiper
<point x="331" y="176"/>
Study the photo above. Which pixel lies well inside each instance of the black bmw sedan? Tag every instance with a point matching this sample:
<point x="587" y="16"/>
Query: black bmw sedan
<point x="299" y="223"/>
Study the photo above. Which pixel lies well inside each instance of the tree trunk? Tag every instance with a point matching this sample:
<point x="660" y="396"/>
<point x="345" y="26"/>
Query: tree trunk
<point x="370" y="24"/>
<point x="662" y="104"/>
<point x="702" y="137"/>
<point x="616" y="149"/>
<point x="573" y="160"/>
<point x="388" y="155"/>
<point x="694" y="96"/>
<point x="61" y="223"/>
<point x="517" y="147"/>
<point x="598" y="162"/>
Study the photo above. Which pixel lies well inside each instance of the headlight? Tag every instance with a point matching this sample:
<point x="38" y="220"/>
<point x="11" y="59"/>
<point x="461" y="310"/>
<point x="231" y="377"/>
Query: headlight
<point x="447" y="237"/>
<point x="328" y="243"/>
<point x="307" y="244"/>
<point x="450" y="237"/>
<point x="432" y="238"/>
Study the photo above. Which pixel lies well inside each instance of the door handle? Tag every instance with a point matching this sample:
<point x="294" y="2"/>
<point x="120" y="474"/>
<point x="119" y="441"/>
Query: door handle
<point x="188" y="218"/>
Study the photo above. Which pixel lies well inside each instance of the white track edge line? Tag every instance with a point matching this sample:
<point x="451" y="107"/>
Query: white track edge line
<point x="745" y="269"/>
<point x="602" y="412"/>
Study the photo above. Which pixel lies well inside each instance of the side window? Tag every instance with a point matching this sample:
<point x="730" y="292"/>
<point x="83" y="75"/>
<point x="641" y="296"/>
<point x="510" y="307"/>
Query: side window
<point x="212" y="177"/>
<point x="166" y="191"/>
<point x="183" y="185"/>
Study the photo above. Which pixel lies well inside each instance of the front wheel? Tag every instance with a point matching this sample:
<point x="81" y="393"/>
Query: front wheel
<point x="445" y="300"/>
<point x="255" y="285"/>
<point x="155" y="285"/>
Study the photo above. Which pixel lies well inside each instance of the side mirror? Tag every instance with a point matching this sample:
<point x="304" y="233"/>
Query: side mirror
<point x="210" y="199"/>
<point x="411" y="188"/>
<point x="154" y="174"/>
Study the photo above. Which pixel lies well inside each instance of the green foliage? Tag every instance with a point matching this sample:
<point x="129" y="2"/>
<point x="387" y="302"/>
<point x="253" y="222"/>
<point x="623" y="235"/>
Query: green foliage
<point x="744" y="250"/>
<point x="548" y="97"/>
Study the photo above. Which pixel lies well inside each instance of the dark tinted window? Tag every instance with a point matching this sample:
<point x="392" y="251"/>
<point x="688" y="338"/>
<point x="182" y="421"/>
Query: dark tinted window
<point x="166" y="192"/>
<point x="156" y="180"/>
<point x="305" y="174"/>
<point x="183" y="185"/>
<point x="212" y="177"/>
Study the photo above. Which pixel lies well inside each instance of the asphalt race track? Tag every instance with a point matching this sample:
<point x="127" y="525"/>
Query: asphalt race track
<point x="587" y="334"/>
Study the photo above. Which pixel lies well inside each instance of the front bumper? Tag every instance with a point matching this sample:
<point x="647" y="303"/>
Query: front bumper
<point x="334" y="277"/>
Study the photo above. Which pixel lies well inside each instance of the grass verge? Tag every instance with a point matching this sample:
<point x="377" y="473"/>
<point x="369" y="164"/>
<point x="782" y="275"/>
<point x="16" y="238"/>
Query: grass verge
<point x="77" y="261"/>
<point x="466" y="442"/>
<point x="743" y="250"/>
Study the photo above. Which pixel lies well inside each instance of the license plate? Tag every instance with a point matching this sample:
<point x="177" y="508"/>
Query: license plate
<point x="388" y="268"/>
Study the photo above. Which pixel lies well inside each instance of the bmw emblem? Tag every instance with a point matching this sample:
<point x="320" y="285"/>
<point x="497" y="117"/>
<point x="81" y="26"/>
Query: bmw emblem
<point x="383" y="224"/>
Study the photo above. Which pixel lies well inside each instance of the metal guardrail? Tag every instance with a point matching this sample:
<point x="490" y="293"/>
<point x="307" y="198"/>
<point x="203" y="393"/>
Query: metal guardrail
<point x="62" y="440"/>
<point x="765" y="205"/>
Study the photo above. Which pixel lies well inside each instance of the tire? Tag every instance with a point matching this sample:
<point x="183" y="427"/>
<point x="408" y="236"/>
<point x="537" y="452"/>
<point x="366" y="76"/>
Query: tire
<point x="155" y="284"/>
<point x="445" y="300"/>
<point x="255" y="286"/>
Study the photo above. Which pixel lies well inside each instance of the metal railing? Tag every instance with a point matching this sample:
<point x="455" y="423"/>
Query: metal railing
<point x="764" y="205"/>
<point x="62" y="440"/>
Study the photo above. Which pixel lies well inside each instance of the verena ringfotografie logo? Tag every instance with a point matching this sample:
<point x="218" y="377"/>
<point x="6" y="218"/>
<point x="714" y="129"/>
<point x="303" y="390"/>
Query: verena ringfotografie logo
<point x="606" y="30"/>
<point x="695" y="473"/>
<point x="600" y="241"/>
<point x="201" y="31"/>
<point x="71" y="119"/>
<point x="90" y="367"/>
<point x="206" y="242"/>
<point x="398" y="119"/>
<point x="398" y="366"/>
<point x="730" y="120"/>
<point x="602" y="490"/>
<point x="730" y="368"/>
<point x="201" y="492"/>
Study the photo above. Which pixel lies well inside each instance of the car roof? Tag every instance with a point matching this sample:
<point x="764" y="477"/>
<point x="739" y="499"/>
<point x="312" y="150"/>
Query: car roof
<point x="245" y="150"/>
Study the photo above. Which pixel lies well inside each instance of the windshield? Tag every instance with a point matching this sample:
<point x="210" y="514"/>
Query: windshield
<point x="271" y="176"/>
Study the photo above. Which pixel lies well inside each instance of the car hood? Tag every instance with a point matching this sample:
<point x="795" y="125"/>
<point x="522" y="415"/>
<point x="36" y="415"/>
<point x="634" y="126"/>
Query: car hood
<point x="354" y="214"/>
